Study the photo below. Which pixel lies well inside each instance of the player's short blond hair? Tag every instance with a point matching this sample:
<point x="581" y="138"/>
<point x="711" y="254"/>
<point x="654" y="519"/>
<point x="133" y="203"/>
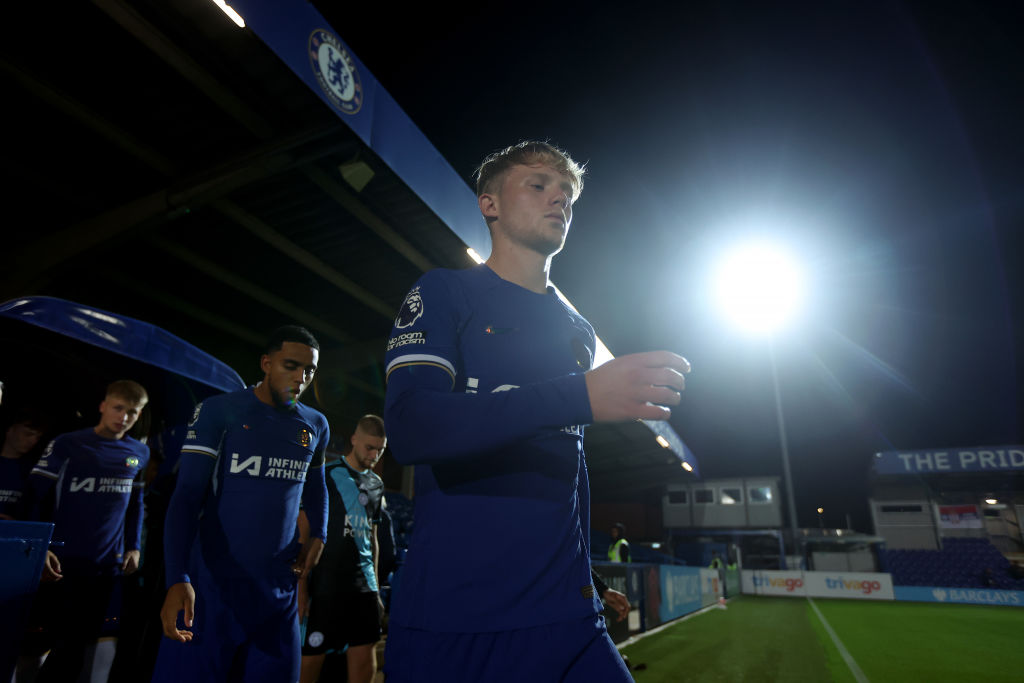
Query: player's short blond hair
<point x="528" y="153"/>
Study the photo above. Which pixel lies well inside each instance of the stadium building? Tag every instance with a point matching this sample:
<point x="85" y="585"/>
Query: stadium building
<point x="951" y="517"/>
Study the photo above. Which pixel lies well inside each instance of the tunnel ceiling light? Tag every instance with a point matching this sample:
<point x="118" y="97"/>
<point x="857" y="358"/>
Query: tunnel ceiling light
<point x="232" y="14"/>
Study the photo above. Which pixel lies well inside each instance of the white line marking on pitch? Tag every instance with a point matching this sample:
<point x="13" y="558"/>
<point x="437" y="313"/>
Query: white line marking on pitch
<point x="667" y="624"/>
<point x="843" y="652"/>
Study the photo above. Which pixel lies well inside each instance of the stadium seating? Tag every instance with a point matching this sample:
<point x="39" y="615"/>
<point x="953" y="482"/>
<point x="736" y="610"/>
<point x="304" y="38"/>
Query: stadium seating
<point x="962" y="563"/>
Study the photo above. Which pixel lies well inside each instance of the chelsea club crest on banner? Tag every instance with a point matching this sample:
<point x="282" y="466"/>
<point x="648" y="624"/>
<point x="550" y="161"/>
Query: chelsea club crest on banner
<point x="335" y="71"/>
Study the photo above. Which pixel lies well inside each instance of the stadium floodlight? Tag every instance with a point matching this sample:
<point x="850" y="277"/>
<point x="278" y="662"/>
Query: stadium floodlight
<point x="759" y="288"/>
<point x="991" y="501"/>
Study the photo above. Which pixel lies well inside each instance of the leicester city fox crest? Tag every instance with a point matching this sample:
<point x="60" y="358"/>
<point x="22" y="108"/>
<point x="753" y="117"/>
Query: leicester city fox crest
<point x="412" y="309"/>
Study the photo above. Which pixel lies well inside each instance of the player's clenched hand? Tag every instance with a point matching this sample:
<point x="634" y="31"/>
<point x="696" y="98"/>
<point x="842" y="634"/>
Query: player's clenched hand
<point x="180" y="597"/>
<point x="638" y="386"/>
<point x="618" y="602"/>
<point x="308" y="557"/>
<point x="51" y="568"/>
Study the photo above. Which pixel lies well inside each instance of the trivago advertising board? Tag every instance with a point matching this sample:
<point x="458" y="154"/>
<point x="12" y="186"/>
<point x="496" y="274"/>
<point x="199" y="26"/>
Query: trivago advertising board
<point x="857" y="585"/>
<point x="773" y="583"/>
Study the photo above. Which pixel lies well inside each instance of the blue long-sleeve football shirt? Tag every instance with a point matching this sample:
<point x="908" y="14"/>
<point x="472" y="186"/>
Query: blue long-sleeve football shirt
<point x="486" y="396"/>
<point x="99" y="488"/>
<point x="244" y="467"/>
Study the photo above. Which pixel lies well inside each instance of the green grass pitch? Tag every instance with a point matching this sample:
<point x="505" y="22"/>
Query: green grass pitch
<point x="781" y="639"/>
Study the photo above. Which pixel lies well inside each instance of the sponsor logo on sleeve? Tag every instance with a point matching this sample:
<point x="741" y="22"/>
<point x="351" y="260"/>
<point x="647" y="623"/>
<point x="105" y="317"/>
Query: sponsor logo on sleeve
<point x="47" y="452"/>
<point x="412" y="309"/>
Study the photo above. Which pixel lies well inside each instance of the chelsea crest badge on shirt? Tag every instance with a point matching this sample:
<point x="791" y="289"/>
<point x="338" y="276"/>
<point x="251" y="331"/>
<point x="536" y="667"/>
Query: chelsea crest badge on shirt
<point x="304" y="437"/>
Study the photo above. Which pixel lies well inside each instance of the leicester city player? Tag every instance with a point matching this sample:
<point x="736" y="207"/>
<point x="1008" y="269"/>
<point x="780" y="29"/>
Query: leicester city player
<point x="344" y="606"/>
<point x="231" y="546"/>
<point x="489" y="384"/>
<point x="97" y="473"/>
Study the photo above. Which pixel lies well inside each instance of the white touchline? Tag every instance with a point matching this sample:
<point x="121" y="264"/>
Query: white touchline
<point x="843" y="652"/>
<point x="667" y="624"/>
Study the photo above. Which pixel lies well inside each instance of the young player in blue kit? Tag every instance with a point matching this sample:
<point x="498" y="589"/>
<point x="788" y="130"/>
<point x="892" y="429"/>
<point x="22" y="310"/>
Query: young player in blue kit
<point x="344" y="607"/>
<point x="490" y="380"/>
<point x="97" y="473"/>
<point x="231" y="547"/>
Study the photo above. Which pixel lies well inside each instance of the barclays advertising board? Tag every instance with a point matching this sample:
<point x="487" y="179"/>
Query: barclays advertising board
<point x="680" y="591"/>
<point x="967" y="596"/>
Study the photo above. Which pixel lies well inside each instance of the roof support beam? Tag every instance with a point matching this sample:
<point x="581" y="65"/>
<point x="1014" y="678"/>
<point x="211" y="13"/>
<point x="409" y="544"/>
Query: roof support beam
<point x="178" y="59"/>
<point x="349" y="201"/>
<point x="27" y="264"/>
<point x="305" y="258"/>
<point x="251" y="289"/>
<point x="221" y="95"/>
<point x="270" y="299"/>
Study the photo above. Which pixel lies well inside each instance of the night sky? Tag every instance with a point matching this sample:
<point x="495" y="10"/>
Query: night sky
<point x="881" y="142"/>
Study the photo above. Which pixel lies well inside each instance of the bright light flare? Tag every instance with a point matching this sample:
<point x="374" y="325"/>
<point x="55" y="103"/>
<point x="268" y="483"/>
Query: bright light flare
<point x="759" y="288"/>
<point x="232" y="14"/>
<point x="991" y="501"/>
<point x="473" y="255"/>
<point x="687" y="466"/>
<point x="662" y="441"/>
